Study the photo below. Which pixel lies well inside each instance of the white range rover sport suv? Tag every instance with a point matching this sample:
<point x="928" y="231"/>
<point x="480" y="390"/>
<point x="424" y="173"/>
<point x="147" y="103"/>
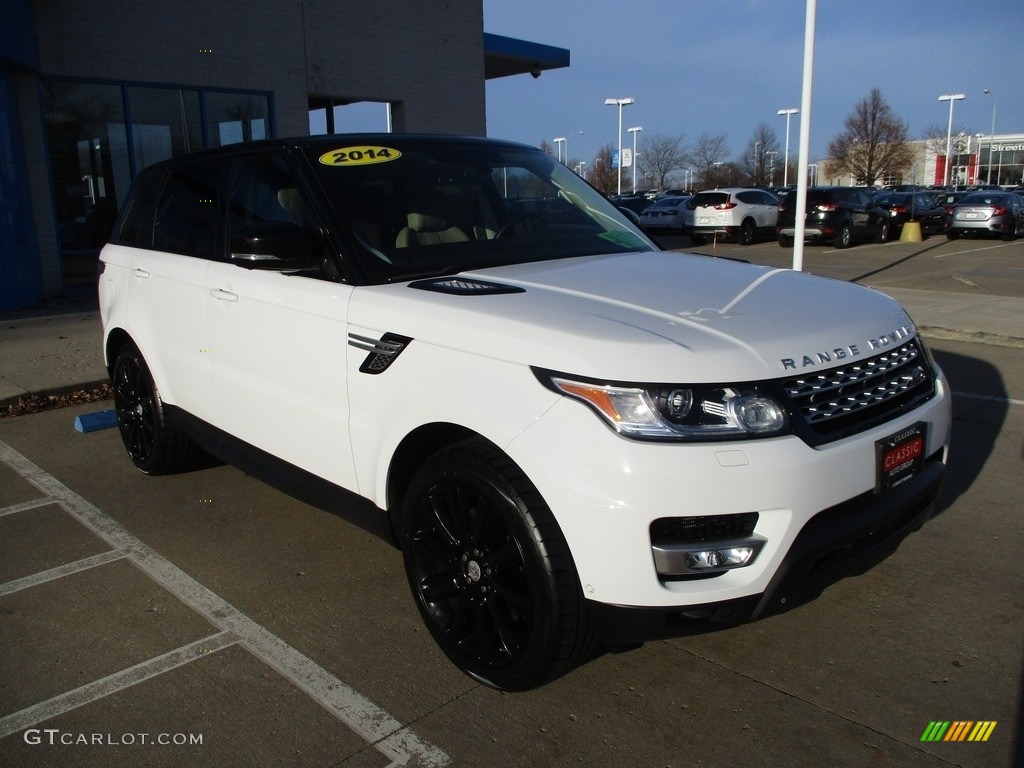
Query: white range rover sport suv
<point x="573" y="436"/>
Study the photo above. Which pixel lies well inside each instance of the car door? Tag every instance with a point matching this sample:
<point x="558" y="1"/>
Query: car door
<point x="167" y="299"/>
<point x="279" y="341"/>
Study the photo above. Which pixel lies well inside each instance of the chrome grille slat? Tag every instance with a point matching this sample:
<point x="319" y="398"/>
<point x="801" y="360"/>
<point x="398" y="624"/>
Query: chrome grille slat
<point x="873" y="387"/>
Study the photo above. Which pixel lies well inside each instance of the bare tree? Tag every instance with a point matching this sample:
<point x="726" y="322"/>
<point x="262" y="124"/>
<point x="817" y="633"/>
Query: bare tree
<point x="874" y="143"/>
<point x="708" y="153"/>
<point x="546" y="148"/>
<point x="659" y="157"/>
<point x="754" y="164"/>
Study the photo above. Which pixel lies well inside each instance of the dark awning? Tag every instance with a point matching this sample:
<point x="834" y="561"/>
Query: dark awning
<point x="505" y="56"/>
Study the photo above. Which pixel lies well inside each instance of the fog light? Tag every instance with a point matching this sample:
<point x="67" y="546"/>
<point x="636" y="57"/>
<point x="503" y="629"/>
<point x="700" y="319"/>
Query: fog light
<point x="706" y="559"/>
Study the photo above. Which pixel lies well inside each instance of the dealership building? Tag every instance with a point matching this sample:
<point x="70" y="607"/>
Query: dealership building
<point x="91" y="93"/>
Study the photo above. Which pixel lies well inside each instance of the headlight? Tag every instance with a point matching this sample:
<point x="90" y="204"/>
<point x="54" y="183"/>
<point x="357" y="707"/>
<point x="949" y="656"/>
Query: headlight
<point x="683" y="412"/>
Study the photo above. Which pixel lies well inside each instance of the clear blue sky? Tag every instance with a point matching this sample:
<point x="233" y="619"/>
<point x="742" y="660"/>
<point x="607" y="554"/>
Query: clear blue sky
<point x="723" y="67"/>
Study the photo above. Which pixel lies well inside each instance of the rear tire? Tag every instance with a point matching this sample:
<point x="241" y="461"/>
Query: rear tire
<point x="785" y="241"/>
<point x="1011" y="234"/>
<point x="698" y="239"/>
<point x="154" y="444"/>
<point x="952" y="235"/>
<point x="490" y="571"/>
<point x="844" y="238"/>
<point x="747" y="232"/>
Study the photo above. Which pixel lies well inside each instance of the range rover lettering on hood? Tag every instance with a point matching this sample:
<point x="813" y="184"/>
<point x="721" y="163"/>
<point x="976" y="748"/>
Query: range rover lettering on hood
<point x="846" y="351"/>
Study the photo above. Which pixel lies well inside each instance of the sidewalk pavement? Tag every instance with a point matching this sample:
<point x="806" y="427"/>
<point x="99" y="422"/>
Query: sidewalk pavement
<point x="57" y="349"/>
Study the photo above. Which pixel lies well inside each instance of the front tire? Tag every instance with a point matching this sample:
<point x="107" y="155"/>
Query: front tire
<point x="490" y="571"/>
<point x="747" y="232"/>
<point x="154" y="444"/>
<point x="883" y="232"/>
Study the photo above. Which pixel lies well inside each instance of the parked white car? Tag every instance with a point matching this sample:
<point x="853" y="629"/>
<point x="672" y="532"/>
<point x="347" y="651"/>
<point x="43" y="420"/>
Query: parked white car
<point x="572" y="435"/>
<point x="732" y="212"/>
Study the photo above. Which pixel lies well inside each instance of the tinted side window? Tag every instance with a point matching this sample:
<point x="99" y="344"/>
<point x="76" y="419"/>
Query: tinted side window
<point x="263" y="189"/>
<point x="136" y="226"/>
<point x="186" y="216"/>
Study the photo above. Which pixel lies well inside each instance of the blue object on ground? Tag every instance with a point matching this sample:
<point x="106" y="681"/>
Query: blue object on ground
<point x="90" y="422"/>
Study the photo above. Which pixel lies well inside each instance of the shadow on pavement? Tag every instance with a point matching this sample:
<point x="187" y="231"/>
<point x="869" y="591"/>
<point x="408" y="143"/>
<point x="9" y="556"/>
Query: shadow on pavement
<point x="977" y="421"/>
<point x="896" y="263"/>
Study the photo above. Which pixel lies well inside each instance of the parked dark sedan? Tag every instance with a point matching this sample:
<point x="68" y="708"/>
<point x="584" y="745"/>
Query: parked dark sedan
<point x="988" y="213"/>
<point x="912" y="206"/>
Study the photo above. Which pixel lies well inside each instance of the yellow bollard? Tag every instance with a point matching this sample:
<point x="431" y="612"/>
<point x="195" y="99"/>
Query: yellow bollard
<point x="911" y="232"/>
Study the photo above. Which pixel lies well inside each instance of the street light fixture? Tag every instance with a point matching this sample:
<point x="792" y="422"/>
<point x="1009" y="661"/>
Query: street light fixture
<point x="634" y="130"/>
<point x="559" y="141"/>
<point x="991" y="135"/>
<point x="620" y="103"/>
<point x="789" y="112"/>
<point x="951" y="98"/>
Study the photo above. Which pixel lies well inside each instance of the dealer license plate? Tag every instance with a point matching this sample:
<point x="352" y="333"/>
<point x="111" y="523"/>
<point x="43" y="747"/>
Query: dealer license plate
<point x="703" y="220"/>
<point x="900" y="456"/>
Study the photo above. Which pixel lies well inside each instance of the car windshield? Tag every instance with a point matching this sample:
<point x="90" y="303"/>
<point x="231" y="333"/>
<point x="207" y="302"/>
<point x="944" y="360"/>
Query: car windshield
<point x="422" y="208"/>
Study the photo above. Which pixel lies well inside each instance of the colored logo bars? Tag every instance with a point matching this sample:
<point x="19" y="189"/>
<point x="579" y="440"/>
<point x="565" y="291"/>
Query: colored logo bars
<point x="958" y="730"/>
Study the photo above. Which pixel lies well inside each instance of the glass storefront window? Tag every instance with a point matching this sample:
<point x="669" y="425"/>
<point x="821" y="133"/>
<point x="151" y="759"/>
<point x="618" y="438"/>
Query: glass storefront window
<point x="93" y="155"/>
<point x="235" y="117"/>
<point x="89" y="166"/>
<point x="165" y="123"/>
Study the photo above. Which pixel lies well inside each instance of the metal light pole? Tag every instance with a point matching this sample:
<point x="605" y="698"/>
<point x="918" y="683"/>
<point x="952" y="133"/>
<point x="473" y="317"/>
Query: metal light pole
<point x="991" y="135"/>
<point x="559" y="141"/>
<point x="788" y="112"/>
<point x="951" y="98"/>
<point x="634" y="130"/>
<point x="621" y="103"/>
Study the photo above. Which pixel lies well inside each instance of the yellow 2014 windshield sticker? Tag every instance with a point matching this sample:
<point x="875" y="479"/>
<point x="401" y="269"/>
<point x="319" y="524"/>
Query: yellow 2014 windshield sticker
<point x="359" y="156"/>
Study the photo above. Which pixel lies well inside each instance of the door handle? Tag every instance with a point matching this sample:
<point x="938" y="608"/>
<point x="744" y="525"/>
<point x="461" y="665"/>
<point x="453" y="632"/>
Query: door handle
<point x="140" y="273"/>
<point x="222" y="295"/>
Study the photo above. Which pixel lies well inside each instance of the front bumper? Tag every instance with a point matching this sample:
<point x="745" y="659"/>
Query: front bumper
<point x="844" y="540"/>
<point x="817" y="512"/>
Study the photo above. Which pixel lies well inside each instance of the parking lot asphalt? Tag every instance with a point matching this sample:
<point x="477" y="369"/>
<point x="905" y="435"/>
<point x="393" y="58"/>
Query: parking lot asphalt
<point x="959" y="290"/>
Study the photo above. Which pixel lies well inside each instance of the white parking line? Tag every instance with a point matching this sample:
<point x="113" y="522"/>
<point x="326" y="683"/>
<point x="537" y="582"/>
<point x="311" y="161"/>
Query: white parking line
<point x="990" y="398"/>
<point x="59" y="572"/>
<point x="98" y="689"/>
<point x="378" y="727"/>
<point x="973" y="250"/>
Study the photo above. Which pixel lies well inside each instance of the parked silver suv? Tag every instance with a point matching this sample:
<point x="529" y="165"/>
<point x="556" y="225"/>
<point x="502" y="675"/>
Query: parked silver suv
<point x="739" y="212"/>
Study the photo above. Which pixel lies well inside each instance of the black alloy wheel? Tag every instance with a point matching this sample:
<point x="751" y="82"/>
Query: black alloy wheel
<point x="154" y="445"/>
<point x="490" y="571"/>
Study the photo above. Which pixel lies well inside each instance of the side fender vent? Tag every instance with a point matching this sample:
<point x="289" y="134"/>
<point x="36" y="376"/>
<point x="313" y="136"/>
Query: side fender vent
<point x="461" y="286"/>
<point x="383" y="352"/>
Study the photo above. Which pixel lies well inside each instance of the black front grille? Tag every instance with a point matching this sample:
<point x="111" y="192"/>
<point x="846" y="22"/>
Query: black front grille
<point x="691" y="530"/>
<point x="860" y="395"/>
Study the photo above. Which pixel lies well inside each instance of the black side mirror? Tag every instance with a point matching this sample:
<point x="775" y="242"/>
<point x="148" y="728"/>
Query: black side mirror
<point x="276" y="245"/>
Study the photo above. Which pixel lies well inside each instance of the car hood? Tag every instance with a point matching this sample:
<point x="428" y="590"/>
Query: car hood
<point x="644" y="317"/>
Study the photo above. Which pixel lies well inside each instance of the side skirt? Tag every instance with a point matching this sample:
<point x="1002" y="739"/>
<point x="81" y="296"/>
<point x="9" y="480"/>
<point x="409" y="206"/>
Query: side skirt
<point x="285" y="477"/>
